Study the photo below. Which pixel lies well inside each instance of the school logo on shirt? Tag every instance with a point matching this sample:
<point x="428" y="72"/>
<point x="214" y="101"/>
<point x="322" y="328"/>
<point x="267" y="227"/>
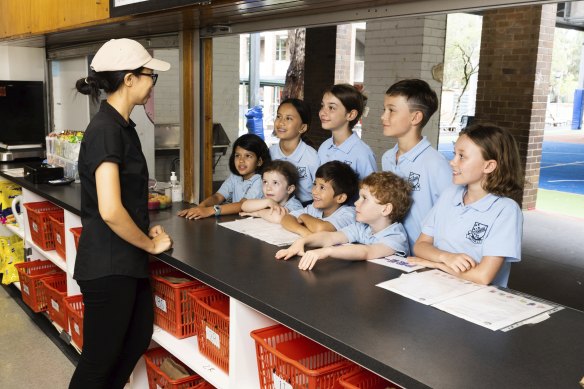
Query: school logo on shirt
<point x="301" y="172"/>
<point x="414" y="180"/>
<point x="477" y="233"/>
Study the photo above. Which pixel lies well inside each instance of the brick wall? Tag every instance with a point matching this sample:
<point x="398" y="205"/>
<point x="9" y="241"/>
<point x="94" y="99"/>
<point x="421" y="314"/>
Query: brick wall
<point x="513" y="80"/>
<point x="345" y="49"/>
<point x="394" y="50"/>
<point x="226" y="95"/>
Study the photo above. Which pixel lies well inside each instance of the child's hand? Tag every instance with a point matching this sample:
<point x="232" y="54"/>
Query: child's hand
<point x="277" y="209"/>
<point x="196" y="212"/>
<point x="310" y="258"/>
<point x="459" y="262"/>
<point x="297" y="248"/>
<point x="422" y="262"/>
<point x="252" y="214"/>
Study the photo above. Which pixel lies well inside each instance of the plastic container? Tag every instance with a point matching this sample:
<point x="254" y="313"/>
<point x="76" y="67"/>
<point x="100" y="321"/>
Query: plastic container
<point x="158" y="379"/>
<point x="75" y="310"/>
<point x="173" y="311"/>
<point x="58" y="228"/>
<point x="363" y="379"/>
<point x="39" y="214"/>
<point x="30" y="275"/>
<point x="212" y="322"/>
<point x="76" y="231"/>
<point x="56" y="291"/>
<point x="285" y="357"/>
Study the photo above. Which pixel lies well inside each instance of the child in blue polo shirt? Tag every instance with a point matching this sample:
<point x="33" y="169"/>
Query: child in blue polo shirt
<point x="335" y="183"/>
<point x="384" y="199"/>
<point x="407" y="107"/>
<point x="474" y="230"/>
<point x="291" y="124"/>
<point x="340" y="110"/>
<point x="246" y="162"/>
<point x="279" y="182"/>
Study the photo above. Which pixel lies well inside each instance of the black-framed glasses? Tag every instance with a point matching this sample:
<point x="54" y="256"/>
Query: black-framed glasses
<point x="153" y="75"/>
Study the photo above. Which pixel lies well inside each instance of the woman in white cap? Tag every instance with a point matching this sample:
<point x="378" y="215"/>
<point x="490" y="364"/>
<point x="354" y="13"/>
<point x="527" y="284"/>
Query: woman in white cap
<point x="111" y="267"/>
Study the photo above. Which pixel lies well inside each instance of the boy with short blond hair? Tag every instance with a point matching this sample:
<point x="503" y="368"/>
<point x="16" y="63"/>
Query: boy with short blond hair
<point x="335" y="184"/>
<point x="384" y="199"/>
<point x="408" y="105"/>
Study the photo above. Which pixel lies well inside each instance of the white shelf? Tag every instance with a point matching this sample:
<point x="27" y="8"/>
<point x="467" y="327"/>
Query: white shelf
<point x="187" y="351"/>
<point x="50" y="255"/>
<point x="16" y="230"/>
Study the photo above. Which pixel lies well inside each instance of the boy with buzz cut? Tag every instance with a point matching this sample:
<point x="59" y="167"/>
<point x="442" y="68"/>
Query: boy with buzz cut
<point x="335" y="183"/>
<point x="407" y="107"/>
<point x="384" y="199"/>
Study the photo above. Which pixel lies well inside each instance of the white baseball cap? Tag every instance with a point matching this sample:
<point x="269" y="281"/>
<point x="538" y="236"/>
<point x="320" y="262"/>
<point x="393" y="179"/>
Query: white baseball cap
<point x="125" y="54"/>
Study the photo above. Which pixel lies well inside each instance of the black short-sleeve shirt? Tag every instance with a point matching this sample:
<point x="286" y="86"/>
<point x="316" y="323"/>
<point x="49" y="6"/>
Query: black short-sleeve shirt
<point x="109" y="138"/>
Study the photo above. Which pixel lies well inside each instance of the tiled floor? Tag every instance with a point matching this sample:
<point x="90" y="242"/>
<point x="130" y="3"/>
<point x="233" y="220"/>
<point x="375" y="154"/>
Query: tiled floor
<point x="28" y="358"/>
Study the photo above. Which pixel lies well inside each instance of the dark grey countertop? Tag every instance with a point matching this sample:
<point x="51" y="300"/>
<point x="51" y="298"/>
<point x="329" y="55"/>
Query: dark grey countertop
<point x="338" y="305"/>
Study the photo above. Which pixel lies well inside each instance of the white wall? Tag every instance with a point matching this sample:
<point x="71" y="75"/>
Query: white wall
<point x="70" y="108"/>
<point x="226" y="94"/>
<point x="22" y="63"/>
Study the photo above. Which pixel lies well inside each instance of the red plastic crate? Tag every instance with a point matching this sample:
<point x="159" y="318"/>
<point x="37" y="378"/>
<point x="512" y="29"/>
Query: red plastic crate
<point x="285" y="356"/>
<point x="173" y="311"/>
<point x="30" y="275"/>
<point x="75" y="310"/>
<point x="39" y="222"/>
<point x="158" y="379"/>
<point x="76" y="231"/>
<point x="364" y="379"/>
<point x="212" y="322"/>
<point x="56" y="290"/>
<point x="159" y="268"/>
<point x="58" y="228"/>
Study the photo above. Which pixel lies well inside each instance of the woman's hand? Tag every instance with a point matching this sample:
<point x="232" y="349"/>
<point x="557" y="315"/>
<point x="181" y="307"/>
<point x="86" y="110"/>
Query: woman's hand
<point x="196" y="212"/>
<point x="155" y="231"/>
<point x="161" y="242"/>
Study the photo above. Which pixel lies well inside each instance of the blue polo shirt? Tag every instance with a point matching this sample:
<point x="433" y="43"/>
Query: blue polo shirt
<point x="305" y="158"/>
<point x="428" y="172"/>
<point x="491" y="226"/>
<point x="293" y="204"/>
<point x="393" y="236"/>
<point x="352" y="151"/>
<point x="343" y="216"/>
<point x="235" y="188"/>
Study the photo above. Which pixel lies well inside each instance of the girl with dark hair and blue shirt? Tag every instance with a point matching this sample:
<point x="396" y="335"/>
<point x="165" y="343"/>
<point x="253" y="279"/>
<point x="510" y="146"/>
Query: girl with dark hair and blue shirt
<point x="111" y="266"/>
<point x="246" y="162"/>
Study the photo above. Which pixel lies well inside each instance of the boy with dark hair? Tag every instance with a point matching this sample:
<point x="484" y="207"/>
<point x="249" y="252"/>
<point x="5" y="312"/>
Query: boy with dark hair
<point x="335" y="184"/>
<point x="384" y="199"/>
<point x="408" y="105"/>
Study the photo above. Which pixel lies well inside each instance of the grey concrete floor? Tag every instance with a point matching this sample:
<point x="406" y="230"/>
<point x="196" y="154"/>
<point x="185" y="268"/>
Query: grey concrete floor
<point x="28" y="358"/>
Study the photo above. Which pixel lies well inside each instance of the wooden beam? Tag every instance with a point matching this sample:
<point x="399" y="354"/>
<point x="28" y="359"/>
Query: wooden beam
<point x="207" y="45"/>
<point x="188" y="118"/>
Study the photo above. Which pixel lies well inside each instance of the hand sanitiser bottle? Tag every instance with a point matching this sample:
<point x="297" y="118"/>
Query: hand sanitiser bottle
<point x="176" y="188"/>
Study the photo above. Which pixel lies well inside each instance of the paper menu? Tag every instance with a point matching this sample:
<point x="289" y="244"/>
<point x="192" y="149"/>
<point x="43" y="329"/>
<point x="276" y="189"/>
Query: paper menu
<point x="262" y="229"/>
<point x="493" y="308"/>
<point x="397" y="262"/>
<point x="430" y="287"/>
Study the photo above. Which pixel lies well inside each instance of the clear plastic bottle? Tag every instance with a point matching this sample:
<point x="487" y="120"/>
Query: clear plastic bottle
<point x="176" y="188"/>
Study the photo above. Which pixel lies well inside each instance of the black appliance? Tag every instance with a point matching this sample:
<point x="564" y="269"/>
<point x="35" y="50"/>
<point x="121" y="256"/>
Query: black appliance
<point x="22" y="119"/>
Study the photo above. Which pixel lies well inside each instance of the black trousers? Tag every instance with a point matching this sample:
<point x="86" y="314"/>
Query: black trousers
<point x="117" y="328"/>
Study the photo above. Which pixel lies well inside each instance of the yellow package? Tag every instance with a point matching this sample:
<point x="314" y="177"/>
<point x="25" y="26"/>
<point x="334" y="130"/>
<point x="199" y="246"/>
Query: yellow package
<point x="8" y="191"/>
<point x="13" y="254"/>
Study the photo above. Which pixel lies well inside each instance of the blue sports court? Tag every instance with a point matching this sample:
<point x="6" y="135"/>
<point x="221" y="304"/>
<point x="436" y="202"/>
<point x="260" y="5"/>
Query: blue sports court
<point x="562" y="165"/>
